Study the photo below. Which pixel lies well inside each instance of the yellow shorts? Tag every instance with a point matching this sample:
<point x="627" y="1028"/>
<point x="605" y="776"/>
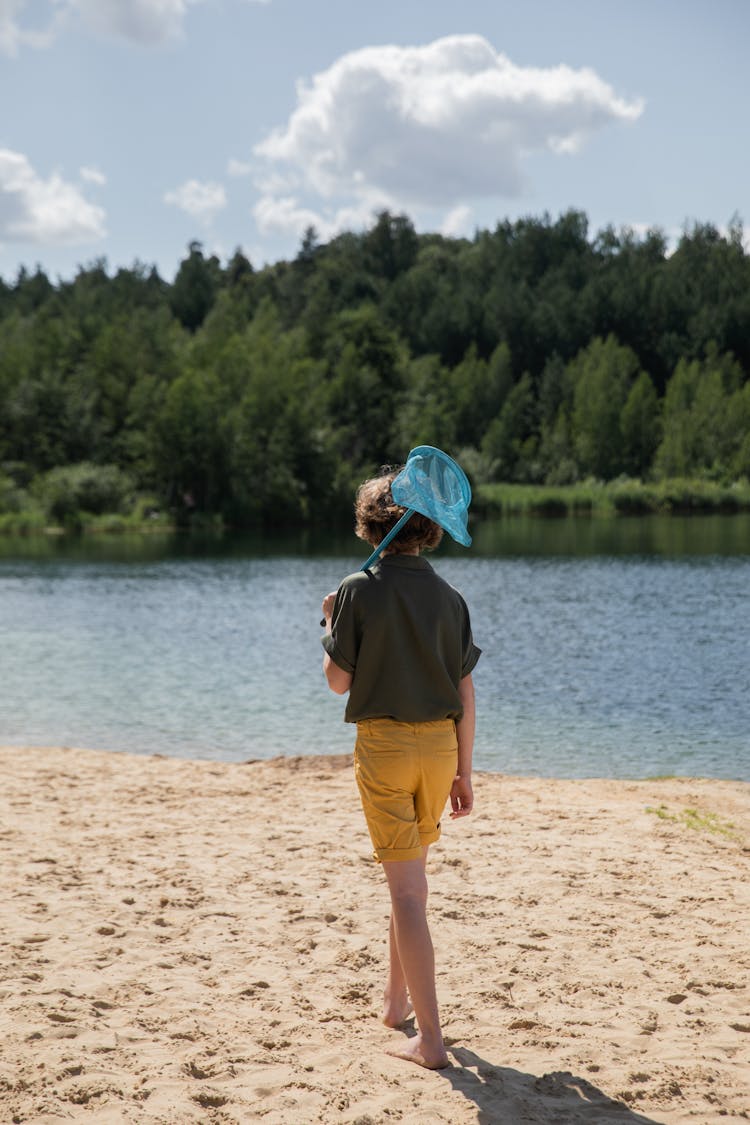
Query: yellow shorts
<point x="404" y="773"/>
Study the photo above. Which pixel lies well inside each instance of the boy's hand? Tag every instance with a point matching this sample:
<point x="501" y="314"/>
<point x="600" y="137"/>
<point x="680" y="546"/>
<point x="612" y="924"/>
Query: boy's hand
<point x="462" y="797"/>
<point x="328" y="601"/>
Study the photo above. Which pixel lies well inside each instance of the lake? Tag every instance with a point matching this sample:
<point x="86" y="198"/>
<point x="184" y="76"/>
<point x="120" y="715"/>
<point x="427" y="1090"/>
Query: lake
<point x="611" y="647"/>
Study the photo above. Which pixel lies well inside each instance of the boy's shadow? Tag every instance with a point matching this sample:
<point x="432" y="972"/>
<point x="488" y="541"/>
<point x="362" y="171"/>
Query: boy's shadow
<point x="504" y="1096"/>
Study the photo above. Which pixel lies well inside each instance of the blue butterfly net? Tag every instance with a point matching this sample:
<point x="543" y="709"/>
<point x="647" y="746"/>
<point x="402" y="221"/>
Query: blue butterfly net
<point x="432" y="484"/>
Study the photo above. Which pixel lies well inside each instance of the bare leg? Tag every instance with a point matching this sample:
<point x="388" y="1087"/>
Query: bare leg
<point x="415" y="961"/>
<point x="397" y="1006"/>
<point x="396" y="1003"/>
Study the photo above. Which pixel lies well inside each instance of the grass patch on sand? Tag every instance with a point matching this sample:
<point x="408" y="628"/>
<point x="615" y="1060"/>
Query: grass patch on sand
<point x="697" y="820"/>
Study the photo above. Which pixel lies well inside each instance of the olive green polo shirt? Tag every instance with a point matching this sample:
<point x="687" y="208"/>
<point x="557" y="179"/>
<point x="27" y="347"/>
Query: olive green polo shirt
<point x="405" y="636"/>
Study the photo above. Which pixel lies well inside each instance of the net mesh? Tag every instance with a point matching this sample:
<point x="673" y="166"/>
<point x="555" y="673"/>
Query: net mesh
<point x="435" y="486"/>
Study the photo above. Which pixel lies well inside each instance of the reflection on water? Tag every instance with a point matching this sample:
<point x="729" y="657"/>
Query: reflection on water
<point x="518" y="536"/>
<point x="611" y="647"/>
<point x="666" y="536"/>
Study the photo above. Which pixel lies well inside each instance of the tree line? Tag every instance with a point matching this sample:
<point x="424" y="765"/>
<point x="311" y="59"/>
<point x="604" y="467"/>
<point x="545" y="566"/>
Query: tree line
<point x="535" y="353"/>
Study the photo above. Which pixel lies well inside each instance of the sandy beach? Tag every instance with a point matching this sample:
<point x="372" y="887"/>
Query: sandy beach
<point x="203" y="942"/>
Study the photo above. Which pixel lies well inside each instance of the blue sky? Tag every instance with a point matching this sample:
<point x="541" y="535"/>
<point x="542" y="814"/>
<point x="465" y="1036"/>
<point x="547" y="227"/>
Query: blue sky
<point x="130" y="127"/>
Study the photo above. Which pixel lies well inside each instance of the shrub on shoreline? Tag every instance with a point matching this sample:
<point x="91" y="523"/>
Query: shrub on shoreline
<point x="614" y="498"/>
<point x="72" y="501"/>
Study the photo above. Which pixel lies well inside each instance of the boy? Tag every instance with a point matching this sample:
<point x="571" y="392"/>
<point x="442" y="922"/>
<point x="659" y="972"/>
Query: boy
<point x="398" y="640"/>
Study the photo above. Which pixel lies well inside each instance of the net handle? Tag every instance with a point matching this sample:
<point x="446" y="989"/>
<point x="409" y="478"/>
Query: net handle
<point x="382" y="546"/>
<point x="389" y="537"/>
<point x="420" y="450"/>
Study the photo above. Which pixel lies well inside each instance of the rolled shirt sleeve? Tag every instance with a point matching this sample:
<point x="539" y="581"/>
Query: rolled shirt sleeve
<point x="342" y="643"/>
<point x="470" y="652"/>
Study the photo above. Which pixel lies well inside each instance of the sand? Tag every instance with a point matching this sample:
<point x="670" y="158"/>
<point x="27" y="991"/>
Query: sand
<point x="202" y="942"/>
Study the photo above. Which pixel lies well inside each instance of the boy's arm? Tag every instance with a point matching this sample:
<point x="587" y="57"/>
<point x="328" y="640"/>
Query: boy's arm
<point x="462" y="795"/>
<point x="338" y="680"/>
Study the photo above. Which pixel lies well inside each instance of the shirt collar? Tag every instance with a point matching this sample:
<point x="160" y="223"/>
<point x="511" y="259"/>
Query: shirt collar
<point x="405" y="562"/>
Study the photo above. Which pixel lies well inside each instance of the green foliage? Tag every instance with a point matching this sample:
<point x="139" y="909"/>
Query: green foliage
<point x="364" y="380"/>
<point x="640" y="426"/>
<point x="195" y="287"/>
<point x="602" y="376"/>
<point x="705" y="419"/>
<point x="542" y="500"/>
<point x="391" y="246"/>
<point x="546" y="357"/>
<point x="477" y="391"/>
<point x="71" y="489"/>
<point x="26" y="522"/>
<point x="187" y="445"/>
<point x="13" y="498"/>
<point x="622" y="496"/>
<point x="509" y="441"/>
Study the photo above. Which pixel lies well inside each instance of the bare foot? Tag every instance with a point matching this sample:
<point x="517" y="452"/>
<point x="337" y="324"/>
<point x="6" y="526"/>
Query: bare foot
<point x="396" y="1010"/>
<point x="414" y="1051"/>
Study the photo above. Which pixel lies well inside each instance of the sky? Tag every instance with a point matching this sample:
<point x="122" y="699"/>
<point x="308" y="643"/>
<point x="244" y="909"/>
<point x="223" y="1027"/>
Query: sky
<point x="129" y="128"/>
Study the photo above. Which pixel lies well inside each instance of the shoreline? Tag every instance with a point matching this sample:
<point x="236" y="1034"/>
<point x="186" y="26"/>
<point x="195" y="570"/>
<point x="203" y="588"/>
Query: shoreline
<point x="338" y="758"/>
<point x="597" y="501"/>
<point x="195" y="940"/>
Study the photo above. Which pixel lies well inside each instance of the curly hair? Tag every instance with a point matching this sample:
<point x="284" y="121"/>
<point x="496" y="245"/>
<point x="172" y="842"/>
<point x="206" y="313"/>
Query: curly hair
<point x="376" y="512"/>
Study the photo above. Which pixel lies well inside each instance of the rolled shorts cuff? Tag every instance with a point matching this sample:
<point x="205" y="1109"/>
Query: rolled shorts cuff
<point x="389" y="855"/>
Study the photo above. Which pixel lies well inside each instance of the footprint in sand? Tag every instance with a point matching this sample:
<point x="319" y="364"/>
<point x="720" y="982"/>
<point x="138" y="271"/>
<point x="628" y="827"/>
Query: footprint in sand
<point x="60" y="1017"/>
<point x="197" y="1068"/>
<point x="209" y="1099"/>
<point x="254" y="988"/>
<point x="101" y="1006"/>
<point x="70" y="1072"/>
<point x="357" y="993"/>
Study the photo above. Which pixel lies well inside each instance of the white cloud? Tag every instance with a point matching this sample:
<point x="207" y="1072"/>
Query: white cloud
<point x="10" y="33"/>
<point x="456" y="222"/>
<point x="436" y="125"/>
<point x="143" y="22"/>
<point x="13" y="35"/>
<point x="239" y="167"/>
<point x="286" y="215"/>
<point x="93" y="176"/>
<point x="148" y="22"/>
<point x="200" y="200"/>
<point x="44" y="211"/>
